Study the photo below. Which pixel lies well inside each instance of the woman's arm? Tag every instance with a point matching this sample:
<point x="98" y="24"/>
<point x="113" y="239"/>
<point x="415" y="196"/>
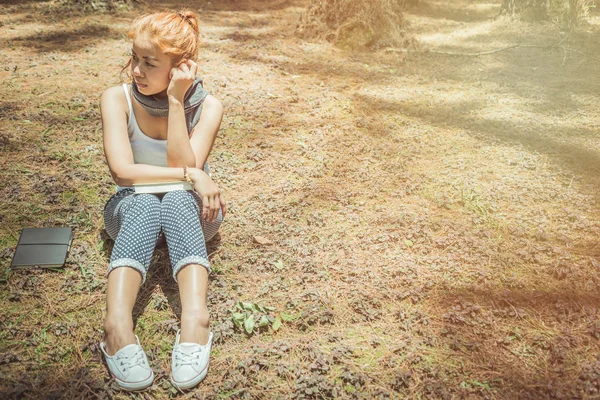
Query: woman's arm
<point x="202" y="140"/>
<point x="179" y="150"/>
<point x="183" y="149"/>
<point x="192" y="150"/>
<point x="117" y="148"/>
<point x="205" y="132"/>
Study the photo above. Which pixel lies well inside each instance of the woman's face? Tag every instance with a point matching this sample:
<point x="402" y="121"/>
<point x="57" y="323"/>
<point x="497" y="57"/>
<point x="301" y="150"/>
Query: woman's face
<point x="150" y="68"/>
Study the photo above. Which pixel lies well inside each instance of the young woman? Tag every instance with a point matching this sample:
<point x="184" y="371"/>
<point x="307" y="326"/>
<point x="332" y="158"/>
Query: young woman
<point x="160" y="128"/>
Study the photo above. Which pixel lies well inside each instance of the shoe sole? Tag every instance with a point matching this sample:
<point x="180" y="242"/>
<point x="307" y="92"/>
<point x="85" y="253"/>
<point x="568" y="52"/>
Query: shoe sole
<point x="138" y="386"/>
<point x="189" y="384"/>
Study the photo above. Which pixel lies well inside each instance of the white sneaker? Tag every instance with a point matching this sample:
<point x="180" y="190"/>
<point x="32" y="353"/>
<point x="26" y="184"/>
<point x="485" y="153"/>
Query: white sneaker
<point x="189" y="363"/>
<point x="129" y="366"/>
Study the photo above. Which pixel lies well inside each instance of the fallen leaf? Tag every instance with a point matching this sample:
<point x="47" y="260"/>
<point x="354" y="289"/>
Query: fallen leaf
<point x="262" y="240"/>
<point x="249" y="324"/>
<point x="276" y="324"/>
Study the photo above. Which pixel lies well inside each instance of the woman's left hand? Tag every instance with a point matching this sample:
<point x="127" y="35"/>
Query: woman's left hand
<point x="182" y="78"/>
<point x="212" y="198"/>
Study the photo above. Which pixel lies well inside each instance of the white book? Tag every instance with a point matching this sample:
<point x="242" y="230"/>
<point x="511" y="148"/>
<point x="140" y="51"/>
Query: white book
<point x="162" y="187"/>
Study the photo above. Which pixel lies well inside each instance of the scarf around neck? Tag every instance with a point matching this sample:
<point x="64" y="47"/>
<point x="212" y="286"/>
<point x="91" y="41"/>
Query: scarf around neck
<point x="192" y="103"/>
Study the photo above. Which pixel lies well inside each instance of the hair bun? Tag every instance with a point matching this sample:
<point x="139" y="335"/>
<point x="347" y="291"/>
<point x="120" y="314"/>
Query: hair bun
<point x="191" y="18"/>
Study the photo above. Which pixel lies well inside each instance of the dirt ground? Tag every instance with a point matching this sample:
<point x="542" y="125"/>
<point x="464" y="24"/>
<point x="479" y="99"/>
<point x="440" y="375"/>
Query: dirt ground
<point x="402" y="223"/>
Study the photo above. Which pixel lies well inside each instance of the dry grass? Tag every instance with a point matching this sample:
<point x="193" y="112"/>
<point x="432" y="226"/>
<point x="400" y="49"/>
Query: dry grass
<point x="429" y="222"/>
<point x="356" y="24"/>
<point x="563" y="13"/>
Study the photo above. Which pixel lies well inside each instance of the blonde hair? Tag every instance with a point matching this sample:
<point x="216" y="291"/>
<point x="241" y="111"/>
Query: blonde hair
<point x="176" y="34"/>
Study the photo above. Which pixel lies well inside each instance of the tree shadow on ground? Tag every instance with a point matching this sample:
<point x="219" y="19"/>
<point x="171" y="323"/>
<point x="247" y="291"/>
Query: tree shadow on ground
<point x="582" y="162"/>
<point x="243" y="37"/>
<point x="9" y="109"/>
<point x="52" y="384"/>
<point x="22" y="2"/>
<point x="238" y="5"/>
<point x="64" y="40"/>
<point x="536" y="299"/>
<point x="46" y="12"/>
<point x="531" y="351"/>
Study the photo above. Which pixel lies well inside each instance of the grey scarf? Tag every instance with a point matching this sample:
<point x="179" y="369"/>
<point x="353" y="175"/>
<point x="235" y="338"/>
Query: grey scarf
<point x="192" y="103"/>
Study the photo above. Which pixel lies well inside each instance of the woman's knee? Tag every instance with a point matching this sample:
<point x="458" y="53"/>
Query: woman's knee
<point x="147" y="205"/>
<point x="146" y="202"/>
<point x="177" y="197"/>
<point x="178" y="200"/>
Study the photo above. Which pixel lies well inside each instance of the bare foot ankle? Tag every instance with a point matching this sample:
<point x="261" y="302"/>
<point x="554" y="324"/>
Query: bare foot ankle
<point x="195" y="328"/>
<point x="114" y="343"/>
<point x="117" y="336"/>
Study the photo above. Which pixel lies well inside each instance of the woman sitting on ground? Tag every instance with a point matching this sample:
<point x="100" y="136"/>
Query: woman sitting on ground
<point x="160" y="128"/>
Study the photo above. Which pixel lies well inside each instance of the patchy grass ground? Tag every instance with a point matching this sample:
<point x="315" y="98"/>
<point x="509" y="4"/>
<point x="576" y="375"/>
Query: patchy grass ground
<point x="409" y="224"/>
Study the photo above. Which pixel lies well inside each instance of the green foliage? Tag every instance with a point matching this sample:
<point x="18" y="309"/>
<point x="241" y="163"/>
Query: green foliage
<point x="252" y="318"/>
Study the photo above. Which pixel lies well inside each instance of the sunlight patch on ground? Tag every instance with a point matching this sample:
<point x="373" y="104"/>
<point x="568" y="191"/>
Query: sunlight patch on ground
<point x="466" y="6"/>
<point x="460" y="35"/>
<point x="594" y="20"/>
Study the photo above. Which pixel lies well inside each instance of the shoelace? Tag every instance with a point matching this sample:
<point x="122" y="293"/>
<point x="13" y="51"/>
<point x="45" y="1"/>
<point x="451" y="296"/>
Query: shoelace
<point x="183" y="358"/>
<point x="131" y="361"/>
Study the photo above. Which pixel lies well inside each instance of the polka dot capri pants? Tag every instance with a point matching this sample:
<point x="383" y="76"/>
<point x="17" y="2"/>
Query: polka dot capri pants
<point x="134" y="221"/>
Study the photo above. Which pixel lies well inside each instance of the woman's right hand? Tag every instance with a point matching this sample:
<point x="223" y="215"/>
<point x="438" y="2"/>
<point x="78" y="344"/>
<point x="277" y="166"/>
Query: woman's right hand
<point x="182" y="77"/>
<point x="212" y="198"/>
